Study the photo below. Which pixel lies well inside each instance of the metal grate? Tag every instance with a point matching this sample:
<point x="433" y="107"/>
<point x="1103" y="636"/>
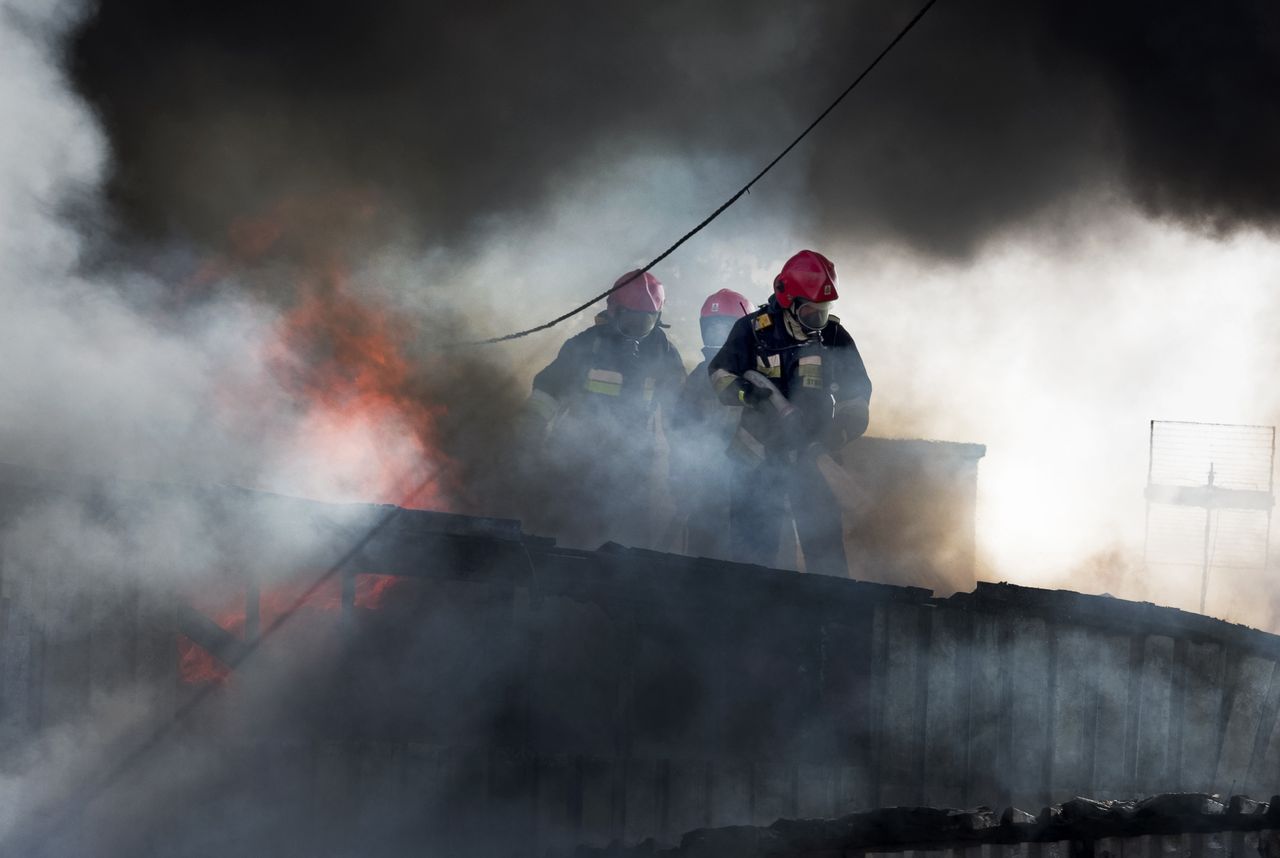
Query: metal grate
<point x="1210" y="493"/>
<point x="1241" y="456"/>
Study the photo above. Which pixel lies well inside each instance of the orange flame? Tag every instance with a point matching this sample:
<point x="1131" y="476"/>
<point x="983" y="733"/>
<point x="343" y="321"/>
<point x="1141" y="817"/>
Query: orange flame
<point x="363" y="429"/>
<point x="197" y="666"/>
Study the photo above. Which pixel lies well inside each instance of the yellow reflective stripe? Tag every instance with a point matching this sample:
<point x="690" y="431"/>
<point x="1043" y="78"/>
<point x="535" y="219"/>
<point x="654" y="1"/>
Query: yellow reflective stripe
<point x="605" y="387"/>
<point x="544" y="404"/>
<point x="604" y="381"/>
<point x="808" y="360"/>
<point x="721" y="380"/>
<point x="648" y="389"/>
<point x="749" y="443"/>
<point x="605" y="375"/>
<point x="771" y="368"/>
<point x="812" y="382"/>
<point x="809" y="371"/>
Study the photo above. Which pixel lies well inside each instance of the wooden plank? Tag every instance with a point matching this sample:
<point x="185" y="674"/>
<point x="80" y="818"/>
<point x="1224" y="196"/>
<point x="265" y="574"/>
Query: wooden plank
<point x="642" y="814"/>
<point x="1177" y="702"/>
<point x="423" y="774"/>
<point x="1244" y="711"/>
<point x="1028" y="657"/>
<point x="448" y="790"/>
<point x="1133" y="713"/>
<point x="1155" y="707"/>
<point x="375" y="810"/>
<point x="113" y="642"/>
<point x="816" y="791"/>
<point x="65" y="690"/>
<point x="687" y="806"/>
<point x="1201" y="713"/>
<point x="945" y="716"/>
<point x="846" y="695"/>
<point x="513" y="788"/>
<point x="1074" y="703"/>
<point x="853" y="790"/>
<point x="903" y="725"/>
<point x="875" y="712"/>
<point x="1110" y="721"/>
<point x="1259" y="778"/>
<point x="984" y="774"/>
<point x="1174" y="845"/>
<point x="333" y="792"/>
<point x="17" y="641"/>
<point x="156" y="652"/>
<point x="1208" y="845"/>
<point x="1108" y="847"/>
<point x="773" y="794"/>
<point x="1265" y="774"/>
<point x="556" y="822"/>
<point x="731" y="793"/>
<point x="599" y="816"/>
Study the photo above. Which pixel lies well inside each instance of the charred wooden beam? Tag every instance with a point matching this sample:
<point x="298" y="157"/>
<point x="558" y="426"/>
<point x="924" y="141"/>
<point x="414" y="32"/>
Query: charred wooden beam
<point x="208" y="635"/>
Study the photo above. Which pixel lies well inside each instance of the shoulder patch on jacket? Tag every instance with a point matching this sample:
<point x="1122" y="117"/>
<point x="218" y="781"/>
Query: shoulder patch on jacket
<point x="762" y="321"/>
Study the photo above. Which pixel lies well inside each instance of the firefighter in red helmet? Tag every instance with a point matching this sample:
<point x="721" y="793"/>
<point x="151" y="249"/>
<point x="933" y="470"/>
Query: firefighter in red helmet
<point x="798" y="376"/>
<point x="595" y="411"/>
<point x="701" y="427"/>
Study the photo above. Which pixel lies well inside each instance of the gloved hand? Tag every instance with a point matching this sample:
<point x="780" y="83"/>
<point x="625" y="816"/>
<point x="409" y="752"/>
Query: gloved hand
<point x="753" y="395"/>
<point x="849" y="422"/>
<point x="834" y="436"/>
<point x="853" y="415"/>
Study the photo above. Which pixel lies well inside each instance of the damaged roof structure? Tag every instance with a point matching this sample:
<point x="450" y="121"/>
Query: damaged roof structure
<point x="471" y="689"/>
<point x="1187" y="825"/>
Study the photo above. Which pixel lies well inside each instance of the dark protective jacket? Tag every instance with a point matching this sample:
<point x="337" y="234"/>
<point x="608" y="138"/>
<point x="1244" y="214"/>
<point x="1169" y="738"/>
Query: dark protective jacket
<point x="698" y="408"/>
<point x="700" y="429"/>
<point x="601" y="375"/>
<point x="818" y="375"/>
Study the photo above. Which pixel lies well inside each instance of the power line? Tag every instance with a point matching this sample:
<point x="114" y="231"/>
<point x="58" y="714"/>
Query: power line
<point x="725" y="205"/>
<point x="38" y="833"/>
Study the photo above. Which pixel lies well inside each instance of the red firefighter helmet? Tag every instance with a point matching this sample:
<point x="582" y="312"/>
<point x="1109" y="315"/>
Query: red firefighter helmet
<point x="726" y="302"/>
<point x="809" y="276"/>
<point x="643" y="294"/>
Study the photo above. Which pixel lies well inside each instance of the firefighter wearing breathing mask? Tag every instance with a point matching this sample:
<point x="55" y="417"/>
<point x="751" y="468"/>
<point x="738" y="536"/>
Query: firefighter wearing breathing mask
<point x="701" y="427"/>
<point x="803" y="389"/>
<point x="594" y="414"/>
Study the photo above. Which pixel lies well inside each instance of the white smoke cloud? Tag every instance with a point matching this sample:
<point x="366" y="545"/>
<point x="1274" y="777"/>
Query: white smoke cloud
<point x="1056" y="351"/>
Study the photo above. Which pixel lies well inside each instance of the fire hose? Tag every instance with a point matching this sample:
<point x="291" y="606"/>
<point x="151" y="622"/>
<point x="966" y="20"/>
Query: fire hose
<point x="847" y="490"/>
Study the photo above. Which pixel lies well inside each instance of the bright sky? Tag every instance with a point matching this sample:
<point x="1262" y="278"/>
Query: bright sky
<point x="1056" y="356"/>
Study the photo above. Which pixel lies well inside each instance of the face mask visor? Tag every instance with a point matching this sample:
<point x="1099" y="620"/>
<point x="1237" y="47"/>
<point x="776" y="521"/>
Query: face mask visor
<point x="715" y="330"/>
<point x="812" y="315"/>
<point x="633" y="324"/>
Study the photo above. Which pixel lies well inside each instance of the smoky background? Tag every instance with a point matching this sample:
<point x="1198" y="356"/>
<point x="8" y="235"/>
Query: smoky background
<point x="1050" y="223"/>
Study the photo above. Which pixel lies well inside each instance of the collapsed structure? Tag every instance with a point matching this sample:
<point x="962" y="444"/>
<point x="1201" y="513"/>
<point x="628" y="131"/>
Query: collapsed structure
<point x="490" y="692"/>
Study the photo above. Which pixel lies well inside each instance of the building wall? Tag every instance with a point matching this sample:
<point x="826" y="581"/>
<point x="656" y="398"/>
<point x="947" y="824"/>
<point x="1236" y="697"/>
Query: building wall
<point x="524" y="697"/>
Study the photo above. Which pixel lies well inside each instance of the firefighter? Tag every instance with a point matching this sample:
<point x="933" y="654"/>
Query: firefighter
<point x="594" y="413"/>
<point x="803" y="389"/>
<point x="701" y="427"/>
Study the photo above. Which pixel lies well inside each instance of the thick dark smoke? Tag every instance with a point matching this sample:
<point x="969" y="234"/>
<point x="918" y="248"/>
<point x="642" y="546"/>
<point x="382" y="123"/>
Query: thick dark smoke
<point x="454" y="110"/>
<point x="991" y="111"/>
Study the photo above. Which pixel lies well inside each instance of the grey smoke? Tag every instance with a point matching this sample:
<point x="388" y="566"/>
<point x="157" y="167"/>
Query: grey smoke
<point x="989" y="112"/>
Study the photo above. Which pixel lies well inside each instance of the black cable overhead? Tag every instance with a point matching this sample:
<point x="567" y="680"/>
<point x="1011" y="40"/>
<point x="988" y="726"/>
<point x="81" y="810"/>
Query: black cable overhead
<point x="38" y="829"/>
<point x="725" y="205"/>
<point x="42" y="824"/>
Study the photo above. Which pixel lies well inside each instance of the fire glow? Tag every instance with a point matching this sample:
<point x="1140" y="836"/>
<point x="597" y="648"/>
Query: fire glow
<point x="362" y="426"/>
<point x="197" y="666"/>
